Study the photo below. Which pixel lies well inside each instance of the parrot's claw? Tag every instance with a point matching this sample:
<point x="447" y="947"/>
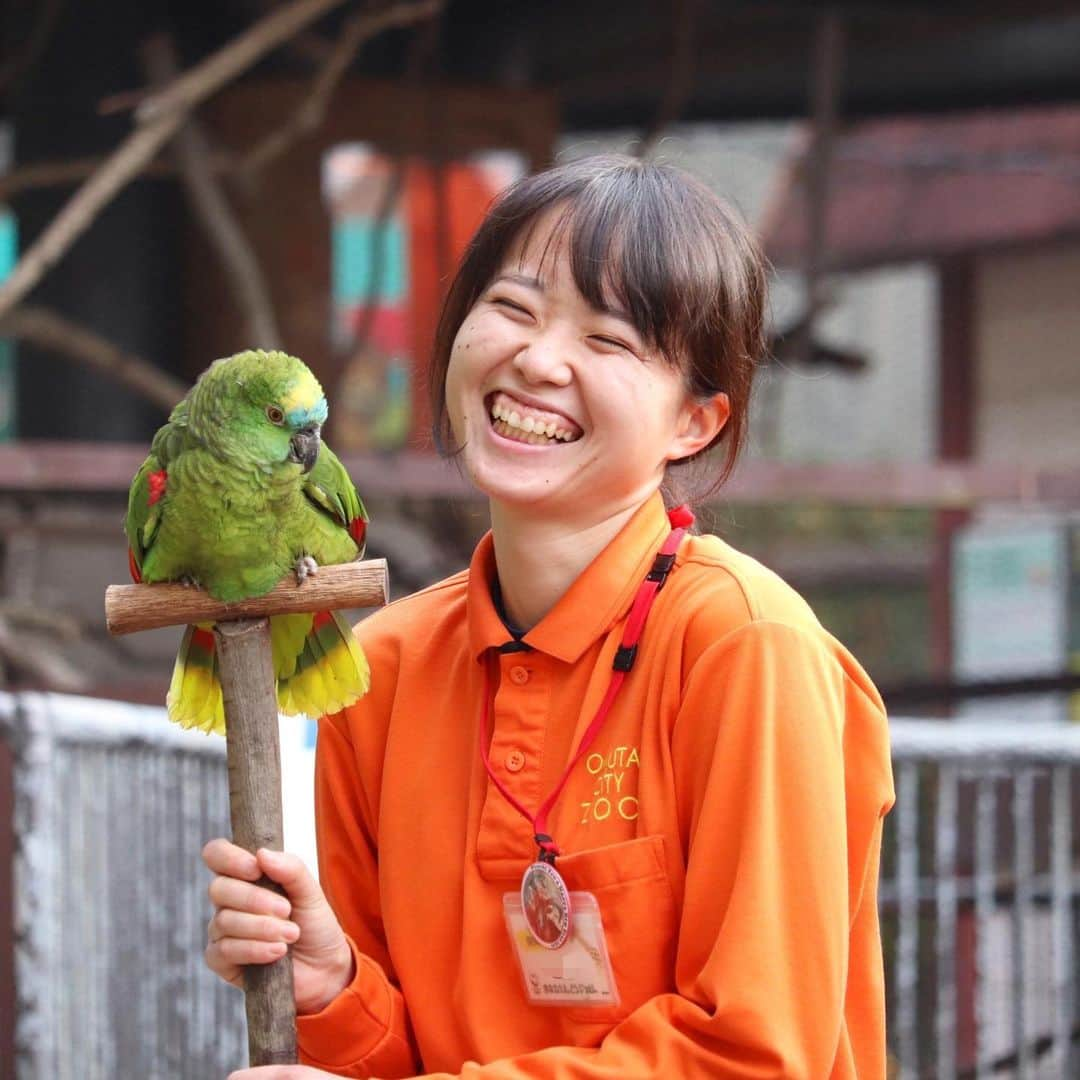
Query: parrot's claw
<point x="305" y="566"/>
<point x="188" y="581"/>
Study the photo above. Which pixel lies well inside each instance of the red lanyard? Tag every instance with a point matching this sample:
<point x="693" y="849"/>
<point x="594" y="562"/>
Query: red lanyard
<point x="681" y="519"/>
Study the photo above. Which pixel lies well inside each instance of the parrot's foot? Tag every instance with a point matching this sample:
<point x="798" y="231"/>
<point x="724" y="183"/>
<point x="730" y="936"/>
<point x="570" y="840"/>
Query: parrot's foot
<point x="188" y="581"/>
<point x="305" y="566"/>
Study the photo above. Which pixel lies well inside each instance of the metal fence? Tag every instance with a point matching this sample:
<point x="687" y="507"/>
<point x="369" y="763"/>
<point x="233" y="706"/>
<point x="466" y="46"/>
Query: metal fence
<point x="979" y="897"/>
<point x="979" y="900"/>
<point x="112" y="807"/>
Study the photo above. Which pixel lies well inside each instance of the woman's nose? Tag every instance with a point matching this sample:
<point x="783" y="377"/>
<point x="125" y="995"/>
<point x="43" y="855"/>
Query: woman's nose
<point x="545" y="359"/>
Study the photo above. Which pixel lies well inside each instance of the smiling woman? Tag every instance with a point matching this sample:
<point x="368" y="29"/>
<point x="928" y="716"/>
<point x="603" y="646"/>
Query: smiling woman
<point x="664" y="267"/>
<point x="613" y="804"/>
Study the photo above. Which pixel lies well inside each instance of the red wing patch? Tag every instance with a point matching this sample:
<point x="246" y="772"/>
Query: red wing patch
<point x="156" y="483"/>
<point x="320" y="618"/>
<point x="358" y="530"/>
<point x="133" y="566"/>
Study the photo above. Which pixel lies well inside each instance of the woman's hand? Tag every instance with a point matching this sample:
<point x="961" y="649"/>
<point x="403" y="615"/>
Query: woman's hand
<point x="254" y="925"/>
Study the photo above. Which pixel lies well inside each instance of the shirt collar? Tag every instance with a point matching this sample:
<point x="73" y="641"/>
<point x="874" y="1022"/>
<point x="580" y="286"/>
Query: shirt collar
<point x="597" y="599"/>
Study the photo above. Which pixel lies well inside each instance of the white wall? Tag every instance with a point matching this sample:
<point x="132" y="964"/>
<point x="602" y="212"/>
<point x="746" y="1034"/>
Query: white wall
<point x="886" y="412"/>
<point x="1028" y="348"/>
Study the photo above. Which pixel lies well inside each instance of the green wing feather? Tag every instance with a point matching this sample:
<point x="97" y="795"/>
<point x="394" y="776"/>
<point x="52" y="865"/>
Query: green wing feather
<point x="142" y="518"/>
<point x="329" y="486"/>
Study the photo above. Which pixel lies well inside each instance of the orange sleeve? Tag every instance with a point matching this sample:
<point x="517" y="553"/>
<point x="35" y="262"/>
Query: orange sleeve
<point x="781" y="849"/>
<point x="364" y="1031"/>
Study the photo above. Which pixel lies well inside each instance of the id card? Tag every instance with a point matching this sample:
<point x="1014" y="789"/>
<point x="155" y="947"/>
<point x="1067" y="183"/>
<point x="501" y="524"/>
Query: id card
<point x="578" y="972"/>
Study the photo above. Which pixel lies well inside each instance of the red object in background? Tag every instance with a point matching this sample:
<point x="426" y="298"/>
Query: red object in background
<point x="387" y="327"/>
<point x="445" y="206"/>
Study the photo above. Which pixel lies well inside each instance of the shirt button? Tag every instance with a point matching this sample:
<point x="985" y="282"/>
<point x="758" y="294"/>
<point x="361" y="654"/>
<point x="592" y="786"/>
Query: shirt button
<point x="519" y="675"/>
<point x="515" y="761"/>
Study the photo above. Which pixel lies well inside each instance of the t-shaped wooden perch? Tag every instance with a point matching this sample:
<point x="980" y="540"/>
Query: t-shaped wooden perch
<point x="242" y="637"/>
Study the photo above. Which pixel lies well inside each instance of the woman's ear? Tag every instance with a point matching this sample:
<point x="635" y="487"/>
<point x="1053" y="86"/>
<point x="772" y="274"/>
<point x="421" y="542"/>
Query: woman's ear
<point x="699" y="423"/>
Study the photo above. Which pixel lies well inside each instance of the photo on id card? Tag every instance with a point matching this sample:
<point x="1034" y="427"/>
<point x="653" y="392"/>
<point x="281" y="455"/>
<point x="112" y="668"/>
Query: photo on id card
<point x="578" y="972"/>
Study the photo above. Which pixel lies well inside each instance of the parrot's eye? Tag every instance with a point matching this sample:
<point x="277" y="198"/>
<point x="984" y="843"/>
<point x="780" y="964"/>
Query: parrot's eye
<point x="274" y="414"/>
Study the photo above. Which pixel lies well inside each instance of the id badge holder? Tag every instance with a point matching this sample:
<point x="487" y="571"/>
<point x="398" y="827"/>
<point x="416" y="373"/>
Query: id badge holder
<point x="575" y="972"/>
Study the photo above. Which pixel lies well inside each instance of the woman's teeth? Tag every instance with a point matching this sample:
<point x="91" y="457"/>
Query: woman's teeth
<point x="510" y="423"/>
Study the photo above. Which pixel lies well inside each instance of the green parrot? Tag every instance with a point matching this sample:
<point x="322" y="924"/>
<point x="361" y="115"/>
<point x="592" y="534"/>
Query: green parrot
<point x="238" y="490"/>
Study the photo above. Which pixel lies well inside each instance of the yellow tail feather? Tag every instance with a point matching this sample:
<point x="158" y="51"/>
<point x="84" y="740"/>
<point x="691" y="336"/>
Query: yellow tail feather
<point x="320" y="669"/>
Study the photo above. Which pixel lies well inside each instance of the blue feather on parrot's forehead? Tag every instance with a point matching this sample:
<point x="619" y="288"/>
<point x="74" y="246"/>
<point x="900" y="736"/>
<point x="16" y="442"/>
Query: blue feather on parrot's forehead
<point x="303" y="416"/>
<point x="303" y="401"/>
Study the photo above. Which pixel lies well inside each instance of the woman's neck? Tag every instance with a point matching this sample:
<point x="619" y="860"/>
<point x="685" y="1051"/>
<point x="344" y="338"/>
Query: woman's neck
<point x="537" y="561"/>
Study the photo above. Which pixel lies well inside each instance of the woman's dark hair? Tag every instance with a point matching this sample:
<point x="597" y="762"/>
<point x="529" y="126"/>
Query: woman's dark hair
<point x="655" y="241"/>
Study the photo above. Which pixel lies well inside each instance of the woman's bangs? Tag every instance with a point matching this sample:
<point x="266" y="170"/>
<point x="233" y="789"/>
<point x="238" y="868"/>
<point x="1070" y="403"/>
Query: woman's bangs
<point x="624" y="261"/>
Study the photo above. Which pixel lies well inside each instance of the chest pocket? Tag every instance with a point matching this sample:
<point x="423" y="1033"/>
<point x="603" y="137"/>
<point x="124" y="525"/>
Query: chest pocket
<point x="631" y="886"/>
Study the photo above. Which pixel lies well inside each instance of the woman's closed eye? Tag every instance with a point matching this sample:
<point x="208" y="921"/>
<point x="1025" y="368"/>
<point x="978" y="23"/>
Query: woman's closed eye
<point x="612" y="343"/>
<point x="510" y="305"/>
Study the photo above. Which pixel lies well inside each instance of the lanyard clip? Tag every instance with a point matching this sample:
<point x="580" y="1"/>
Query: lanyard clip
<point x="548" y="848"/>
<point x="661" y="567"/>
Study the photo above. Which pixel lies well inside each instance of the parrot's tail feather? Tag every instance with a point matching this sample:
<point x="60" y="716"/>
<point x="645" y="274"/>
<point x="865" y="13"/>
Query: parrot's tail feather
<point x="330" y="671"/>
<point x="194" y="699"/>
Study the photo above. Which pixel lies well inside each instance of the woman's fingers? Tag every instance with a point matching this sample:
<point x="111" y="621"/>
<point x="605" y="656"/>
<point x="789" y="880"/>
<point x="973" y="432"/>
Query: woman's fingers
<point x="236" y="938"/>
<point x="229" y="923"/>
<point x="229" y="954"/>
<point x="233" y="974"/>
<point x="292" y="874"/>
<point x="229" y="892"/>
<point x="230" y="860"/>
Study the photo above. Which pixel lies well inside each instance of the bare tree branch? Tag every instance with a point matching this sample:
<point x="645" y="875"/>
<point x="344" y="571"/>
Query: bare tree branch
<point x="81" y="209"/>
<point x="159" y="117"/>
<point x="48" y="174"/>
<point x="213" y="210"/>
<point x="312" y="110"/>
<point x="680" y="79"/>
<point x="309" y="46"/>
<point x="51" y="331"/>
<point x="45" y="174"/>
<point x="37" y="42"/>
<point x="38" y="659"/>
<point x="198" y="83"/>
<point x="61" y="624"/>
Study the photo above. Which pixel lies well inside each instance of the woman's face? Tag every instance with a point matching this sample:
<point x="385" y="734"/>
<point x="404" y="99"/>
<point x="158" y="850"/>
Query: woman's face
<point x="558" y="407"/>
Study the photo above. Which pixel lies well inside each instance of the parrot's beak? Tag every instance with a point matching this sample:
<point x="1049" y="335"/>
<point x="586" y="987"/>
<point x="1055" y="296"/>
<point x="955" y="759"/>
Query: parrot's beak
<point x="304" y="447"/>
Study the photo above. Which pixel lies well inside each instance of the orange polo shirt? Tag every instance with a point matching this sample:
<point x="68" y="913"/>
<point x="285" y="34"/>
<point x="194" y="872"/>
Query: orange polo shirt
<point x="727" y="819"/>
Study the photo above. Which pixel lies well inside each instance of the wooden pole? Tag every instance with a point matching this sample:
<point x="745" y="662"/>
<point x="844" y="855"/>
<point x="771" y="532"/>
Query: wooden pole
<point x="249" y="689"/>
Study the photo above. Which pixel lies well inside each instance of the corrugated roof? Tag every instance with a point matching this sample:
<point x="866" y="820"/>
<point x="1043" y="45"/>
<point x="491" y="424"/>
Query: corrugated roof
<point x="917" y="187"/>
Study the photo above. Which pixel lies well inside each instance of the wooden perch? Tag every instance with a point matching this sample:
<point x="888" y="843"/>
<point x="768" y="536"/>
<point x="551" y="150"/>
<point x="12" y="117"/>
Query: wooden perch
<point x="249" y="692"/>
<point x="130" y="608"/>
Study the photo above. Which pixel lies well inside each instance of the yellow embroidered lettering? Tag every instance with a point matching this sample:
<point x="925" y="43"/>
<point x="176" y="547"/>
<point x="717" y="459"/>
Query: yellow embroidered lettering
<point x="628" y="807"/>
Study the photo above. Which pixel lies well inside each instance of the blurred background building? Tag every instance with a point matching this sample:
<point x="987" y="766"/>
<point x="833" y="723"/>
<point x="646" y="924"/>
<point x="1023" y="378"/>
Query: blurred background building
<point x="914" y="176"/>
